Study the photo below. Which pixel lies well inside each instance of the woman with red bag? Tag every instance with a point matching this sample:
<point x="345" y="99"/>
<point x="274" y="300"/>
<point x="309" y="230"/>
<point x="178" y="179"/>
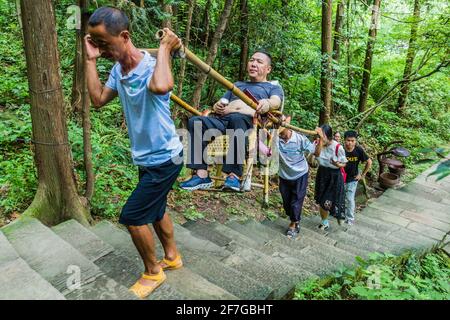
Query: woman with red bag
<point x="330" y="178"/>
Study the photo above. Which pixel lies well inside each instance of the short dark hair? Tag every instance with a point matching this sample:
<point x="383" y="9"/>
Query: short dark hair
<point x="114" y="20"/>
<point x="327" y="131"/>
<point x="266" y="54"/>
<point x="350" y="134"/>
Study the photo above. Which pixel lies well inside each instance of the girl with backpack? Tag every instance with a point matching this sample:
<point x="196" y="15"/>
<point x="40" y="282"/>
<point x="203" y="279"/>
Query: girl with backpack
<point x="330" y="178"/>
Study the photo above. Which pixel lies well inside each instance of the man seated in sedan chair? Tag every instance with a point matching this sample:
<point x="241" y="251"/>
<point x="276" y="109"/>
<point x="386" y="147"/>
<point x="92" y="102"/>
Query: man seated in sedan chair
<point x="233" y="117"/>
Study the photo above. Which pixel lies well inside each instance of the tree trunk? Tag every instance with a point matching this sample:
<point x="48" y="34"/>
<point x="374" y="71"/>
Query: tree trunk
<point x="191" y="6"/>
<point x="81" y="100"/>
<point x="166" y="8"/>
<point x="337" y="30"/>
<point x="349" y="56"/>
<point x="337" y="43"/>
<point x="56" y="198"/>
<point x="369" y="54"/>
<point x="175" y="14"/>
<point x="243" y="35"/>
<point x="78" y="75"/>
<point x="325" y="77"/>
<point x="409" y="58"/>
<point x="206" y="22"/>
<point x="212" y="50"/>
<point x="181" y="74"/>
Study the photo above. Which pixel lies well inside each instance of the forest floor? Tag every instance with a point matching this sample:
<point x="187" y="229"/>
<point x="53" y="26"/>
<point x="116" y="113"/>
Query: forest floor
<point x="222" y="206"/>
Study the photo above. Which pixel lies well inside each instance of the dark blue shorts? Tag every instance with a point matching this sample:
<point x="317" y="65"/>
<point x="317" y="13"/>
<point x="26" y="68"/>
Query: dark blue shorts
<point x="147" y="203"/>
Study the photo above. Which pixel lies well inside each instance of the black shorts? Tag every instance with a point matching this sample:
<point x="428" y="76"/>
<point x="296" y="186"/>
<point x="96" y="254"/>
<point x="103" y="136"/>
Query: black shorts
<point x="147" y="203"/>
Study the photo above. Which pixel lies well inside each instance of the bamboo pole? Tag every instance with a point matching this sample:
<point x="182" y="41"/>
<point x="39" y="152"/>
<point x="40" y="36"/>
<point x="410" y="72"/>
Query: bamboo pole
<point x="184" y="52"/>
<point x="246" y="185"/>
<point x="183" y="104"/>
<point x="266" y="176"/>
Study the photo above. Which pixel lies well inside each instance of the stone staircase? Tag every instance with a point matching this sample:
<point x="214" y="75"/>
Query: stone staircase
<point x="236" y="260"/>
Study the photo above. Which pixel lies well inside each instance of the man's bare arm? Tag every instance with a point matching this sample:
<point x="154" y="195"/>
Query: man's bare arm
<point x="162" y="78"/>
<point x="266" y="105"/>
<point x="100" y="95"/>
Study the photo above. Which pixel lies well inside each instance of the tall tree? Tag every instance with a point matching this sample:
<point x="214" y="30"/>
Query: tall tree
<point x="349" y="54"/>
<point x="80" y="98"/>
<point x="187" y="38"/>
<point x="212" y="50"/>
<point x="337" y="40"/>
<point x="340" y="11"/>
<point x="325" y="76"/>
<point x="206" y="24"/>
<point x="56" y="198"/>
<point x="243" y="37"/>
<point x="367" y="69"/>
<point x="78" y="83"/>
<point x="167" y="9"/>
<point x="401" y="103"/>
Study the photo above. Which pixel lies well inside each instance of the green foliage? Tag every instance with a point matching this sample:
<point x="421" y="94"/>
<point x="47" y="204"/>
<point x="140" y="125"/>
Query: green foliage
<point x="290" y="33"/>
<point x="193" y="214"/>
<point x="385" y="277"/>
<point x="13" y="88"/>
<point x="17" y="173"/>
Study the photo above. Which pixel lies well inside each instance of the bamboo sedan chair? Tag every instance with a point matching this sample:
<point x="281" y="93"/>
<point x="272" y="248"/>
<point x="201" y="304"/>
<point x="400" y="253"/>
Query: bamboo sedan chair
<point x="274" y="118"/>
<point x="218" y="149"/>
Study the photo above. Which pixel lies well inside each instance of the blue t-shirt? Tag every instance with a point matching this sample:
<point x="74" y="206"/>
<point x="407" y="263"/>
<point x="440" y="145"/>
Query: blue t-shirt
<point x="152" y="133"/>
<point x="260" y="90"/>
<point x="293" y="164"/>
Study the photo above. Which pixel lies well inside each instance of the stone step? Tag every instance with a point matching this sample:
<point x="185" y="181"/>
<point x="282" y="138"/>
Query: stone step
<point x="82" y="239"/>
<point x="185" y="281"/>
<point x="7" y="252"/>
<point x="221" y="235"/>
<point x="59" y="263"/>
<point x="123" y="270"/>
<point x="187" y="239"/>
<point x="418" y="201"/>
<point x="387" y="214"/>
<point x="19" y="282"/>
<point x="348" y="242"/>
<point x="429" y="186"/>
<point x="411" y="237"/>
<point x="311" y="236"/>
<point x="230" y="279"/>
<point x="233" y="241"/>
<point x="396" y="207"/>
<point x="421" y="223"/>
<point x="385" y="230"/>
<point x="426" y="192"/>
<point x="317" y="257"/>
<point x="103" y="288"/>
<point x="425" y="230"/>
<point x="281" y="248"/>
<point x="443" y="184"/>
<point x="326" y="245"/>
<point x="282" y="277"/>
<point x="426" y="220"/>
<point x="205" y="258"/>
<point x="374" y="233"/>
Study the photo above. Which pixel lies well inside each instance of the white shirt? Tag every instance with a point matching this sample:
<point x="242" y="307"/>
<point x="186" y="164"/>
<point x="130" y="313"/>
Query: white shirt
<point x="329" y="153"/>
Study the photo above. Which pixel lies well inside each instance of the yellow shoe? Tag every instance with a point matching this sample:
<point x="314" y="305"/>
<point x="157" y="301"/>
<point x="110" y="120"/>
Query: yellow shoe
<point x="143" y="291"/>
<point x="177" y="263"/>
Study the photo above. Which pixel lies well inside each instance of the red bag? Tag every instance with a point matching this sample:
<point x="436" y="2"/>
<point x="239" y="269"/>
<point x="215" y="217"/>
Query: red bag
<point x="344" y="174"/>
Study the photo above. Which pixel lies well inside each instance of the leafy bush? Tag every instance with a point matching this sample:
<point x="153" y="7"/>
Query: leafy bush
<point x="384" y="276"/>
